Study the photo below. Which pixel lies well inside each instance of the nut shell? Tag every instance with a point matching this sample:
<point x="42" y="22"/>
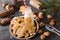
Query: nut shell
<point x="40" y="15"/>
<point x="41" y="24"/>
<point x="49" y="16"/>
<point x="47" y="34"/>
<point x="40" y="31"/>
<point x="4" y="13"/>
<point x="42" y="37"/>
<point x="52" y="22"/>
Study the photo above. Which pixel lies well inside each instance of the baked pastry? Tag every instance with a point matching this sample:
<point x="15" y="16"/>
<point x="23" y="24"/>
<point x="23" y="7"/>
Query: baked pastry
<point x="4" y="13"/>
<point x="35" y="3"/>
<point x="7" y="7"/>
<point x="16" y="22"/>
<point x="26" y="34"/>
<point x="22" y="27"/>
<point x="19" y="32"/>
<point x="22" y="9"/>
<point x="3" y="5"/>
<point x="5" y="21"/>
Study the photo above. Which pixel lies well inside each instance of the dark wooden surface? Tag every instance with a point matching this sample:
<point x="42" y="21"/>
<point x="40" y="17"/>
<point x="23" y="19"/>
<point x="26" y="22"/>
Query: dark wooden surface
<point x="5" y="34"/>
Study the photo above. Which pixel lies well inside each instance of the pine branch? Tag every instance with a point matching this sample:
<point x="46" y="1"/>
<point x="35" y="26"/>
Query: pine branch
<point x="51" y="6"/>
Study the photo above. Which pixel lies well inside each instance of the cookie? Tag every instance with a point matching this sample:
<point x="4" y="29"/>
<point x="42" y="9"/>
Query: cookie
<point x="22" y="9"/>
<point x="22" y="28"/>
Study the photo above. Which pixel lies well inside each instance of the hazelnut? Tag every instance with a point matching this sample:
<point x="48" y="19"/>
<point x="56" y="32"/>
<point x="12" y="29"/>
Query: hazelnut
<point x="42" y="37"/>
<point x="49" y="16"/>
<point x="41" y="24"/>
<point x="40" y="15"/>
<point x="40" y="31"/>
<point x="46" y="33"/>
<point x="52" y="22"/>
<point x="36" y="18"/>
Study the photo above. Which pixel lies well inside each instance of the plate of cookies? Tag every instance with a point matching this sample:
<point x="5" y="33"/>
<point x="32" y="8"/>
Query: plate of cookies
<point x="23" y="28"/>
